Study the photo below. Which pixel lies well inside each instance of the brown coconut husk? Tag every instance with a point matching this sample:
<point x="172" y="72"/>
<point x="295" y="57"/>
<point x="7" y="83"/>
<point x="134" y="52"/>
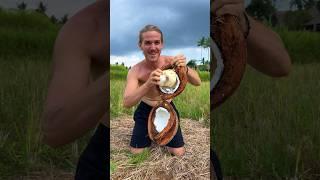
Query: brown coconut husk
<point x="181" y="72"/>
<point x="165" y="136"/>
<point x="229" y="37"/>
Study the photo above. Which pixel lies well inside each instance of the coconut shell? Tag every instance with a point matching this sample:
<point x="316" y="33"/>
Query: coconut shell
<point x="165" y="136"/>
<point x="181" y="72"/>
<point x="228" y="35"/>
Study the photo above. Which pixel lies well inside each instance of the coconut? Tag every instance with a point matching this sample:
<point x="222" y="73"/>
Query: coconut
<point x="161" y="118"/>
<point x="162" y="123"/>
<point x="229" y="50"/>
<point x="168" y="78"/>
<point x="172" y="81"/>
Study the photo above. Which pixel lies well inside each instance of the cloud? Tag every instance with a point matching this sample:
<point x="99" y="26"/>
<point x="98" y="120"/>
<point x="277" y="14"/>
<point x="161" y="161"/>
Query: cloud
<point x="54" y="7"/>
<point x="191" y="53"/>
<point x="183" y="23"/>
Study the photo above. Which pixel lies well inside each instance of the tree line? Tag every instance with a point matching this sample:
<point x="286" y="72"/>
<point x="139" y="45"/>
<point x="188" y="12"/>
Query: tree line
<point x="41" y="9"/>
<point x="294" y="19"/>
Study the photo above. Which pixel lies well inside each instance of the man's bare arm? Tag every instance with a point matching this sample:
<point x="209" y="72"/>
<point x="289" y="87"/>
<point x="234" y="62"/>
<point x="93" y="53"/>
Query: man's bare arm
<point x="133" y="93"/>
<point x="74" y="105"/>
<point x="266" y="52"/>
<point x="193" y="77"/>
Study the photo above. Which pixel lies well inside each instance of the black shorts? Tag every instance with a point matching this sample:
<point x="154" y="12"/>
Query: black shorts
<point x="94" y="161"/>
<point x="140" y="137"/>
<point x="216" y="164"/>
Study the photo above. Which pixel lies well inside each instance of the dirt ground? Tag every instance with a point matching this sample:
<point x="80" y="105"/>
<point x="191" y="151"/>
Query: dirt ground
<point x="195" y="164"/>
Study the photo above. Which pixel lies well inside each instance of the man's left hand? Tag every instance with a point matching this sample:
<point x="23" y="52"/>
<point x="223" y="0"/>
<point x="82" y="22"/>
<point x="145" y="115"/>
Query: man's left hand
<point x="179" y="60"/>
<point x="233" y="7"/>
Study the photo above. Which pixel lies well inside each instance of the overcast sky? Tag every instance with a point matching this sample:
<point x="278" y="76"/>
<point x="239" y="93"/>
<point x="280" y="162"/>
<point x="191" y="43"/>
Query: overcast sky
<point x="54" y="7"/>
<point x="183" y="23"/>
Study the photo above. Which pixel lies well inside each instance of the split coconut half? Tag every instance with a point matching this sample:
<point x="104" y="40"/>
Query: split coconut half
<point x="172" y="81"/>
<point x="228" y="54"/>
<point x="162" y="123"/>
<point x="169" y="81"/>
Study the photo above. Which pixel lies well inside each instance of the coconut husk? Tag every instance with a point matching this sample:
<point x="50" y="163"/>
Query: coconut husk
<point x="228" y="35"/>
<point x="165" y="136"/>
<point x="181" y="72"/>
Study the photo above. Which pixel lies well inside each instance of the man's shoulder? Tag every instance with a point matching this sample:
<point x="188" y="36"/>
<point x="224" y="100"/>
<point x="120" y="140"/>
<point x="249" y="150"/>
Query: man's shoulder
<point x="78" y="32"/>
<point x="167" y="59"/>
<point x="137" y="67"/>
<point x="84" y="20"/>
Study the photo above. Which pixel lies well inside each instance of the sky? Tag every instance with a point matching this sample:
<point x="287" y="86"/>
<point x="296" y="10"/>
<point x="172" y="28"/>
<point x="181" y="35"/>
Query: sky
<point x="183" y="23"/>
<point x="54" y="7"/>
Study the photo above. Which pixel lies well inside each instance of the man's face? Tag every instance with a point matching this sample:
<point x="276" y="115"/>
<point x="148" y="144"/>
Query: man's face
<point x="151" y="45"/>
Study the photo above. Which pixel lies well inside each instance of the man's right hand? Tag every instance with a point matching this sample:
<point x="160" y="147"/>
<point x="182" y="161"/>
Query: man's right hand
<point x="154" y="78"/>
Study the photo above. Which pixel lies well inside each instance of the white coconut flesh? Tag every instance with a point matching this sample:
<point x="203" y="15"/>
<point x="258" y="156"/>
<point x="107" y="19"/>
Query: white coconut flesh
<point x="169" y="81"/>
<point x="161" y="118"/>
<point x="220" y="66"/>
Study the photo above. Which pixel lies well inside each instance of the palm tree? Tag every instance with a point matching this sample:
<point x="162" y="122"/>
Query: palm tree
<point x="192" y="64"/>
<point x="201" y="43"/>
<point x="207" y="46"/>
<point x="64" y="19"/>
<point x="301" y="4"/>
<point x="53" y="19"/>
<point x="22" y="6"/>
<point x="42" y="8"/>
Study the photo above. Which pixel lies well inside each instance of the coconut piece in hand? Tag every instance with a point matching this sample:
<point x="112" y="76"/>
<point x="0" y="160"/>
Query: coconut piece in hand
<point x="168" y="78"/>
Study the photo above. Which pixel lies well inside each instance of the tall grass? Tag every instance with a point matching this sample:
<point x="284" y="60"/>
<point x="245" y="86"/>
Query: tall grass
<point x="23" y="87"/>
<point x="26" y="43"/>
<point x="119" y="72"/>
<point x="270" y="128"/>
<point x="26" y="33"/>
<point x="303" y="46"/>
<point x="192" y="103"/>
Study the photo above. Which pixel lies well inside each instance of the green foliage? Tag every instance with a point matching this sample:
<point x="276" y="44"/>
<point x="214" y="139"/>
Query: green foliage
<point x="53" y="19"/>
<point x="113" y="167"/>
<point x="269" y="129"/>
<point x="26" y="33"/>
<point x="303" y="46"/>
<point x="204" y="43"/>
<point x="22" y="6"/>
<point x="64" y="19"/>
<point x="192" y="64"/>
<point x="197" y="106"/>
<point x="296" y="3"/>
<point x="118" y="72"/>
<point x="136" y="159"/>
<point x="261" y="9"/>
<point x="295" y="20"/>
<point x="303" y="4"/>
<point x="42" y="8"/>
<point x="23" y="87"/>
<point x="118" y="79"/>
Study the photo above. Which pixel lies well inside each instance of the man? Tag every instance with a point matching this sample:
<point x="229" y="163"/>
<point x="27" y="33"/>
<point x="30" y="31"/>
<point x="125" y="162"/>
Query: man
<point x="266" y="52"/>
<point x="77" y="99"/>
<point x="142" y="81"/>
